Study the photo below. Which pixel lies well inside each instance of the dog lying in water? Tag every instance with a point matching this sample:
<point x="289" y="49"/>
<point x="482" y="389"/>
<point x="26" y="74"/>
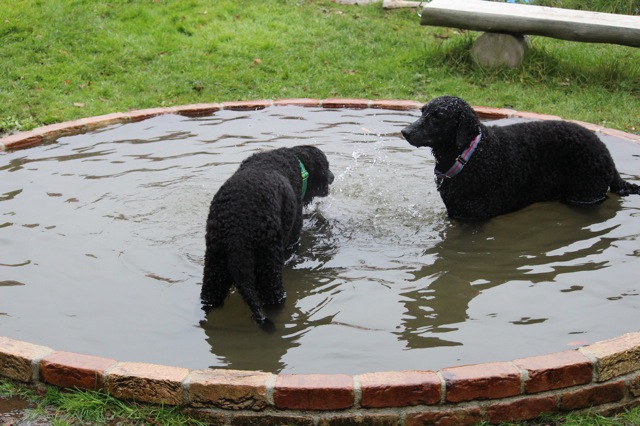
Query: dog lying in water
<point x="254" y="218"/>
<point x="485" y="171"/>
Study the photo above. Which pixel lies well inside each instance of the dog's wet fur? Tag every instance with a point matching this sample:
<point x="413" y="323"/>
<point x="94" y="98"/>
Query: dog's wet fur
<point x="255" y="218"/>
<point x="514" y="165"/>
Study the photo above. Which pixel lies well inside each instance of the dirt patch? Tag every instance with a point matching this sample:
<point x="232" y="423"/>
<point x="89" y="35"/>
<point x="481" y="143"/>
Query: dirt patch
<point x="12" y="404"/>
<point x="19" y="412"/>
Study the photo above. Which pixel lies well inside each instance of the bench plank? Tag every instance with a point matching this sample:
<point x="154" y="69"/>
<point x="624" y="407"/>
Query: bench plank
<point x="565" y="24"/>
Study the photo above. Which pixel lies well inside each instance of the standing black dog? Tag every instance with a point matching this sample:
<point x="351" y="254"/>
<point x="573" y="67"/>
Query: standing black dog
<point x="254" y="218"/>
<point x="485" y="171"/>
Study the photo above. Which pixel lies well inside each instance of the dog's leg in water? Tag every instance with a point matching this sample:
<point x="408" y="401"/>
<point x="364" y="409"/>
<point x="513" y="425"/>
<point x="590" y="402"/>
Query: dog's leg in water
<point x="271" y="310"/>
<point x="216" y="281"/>
<point x="269" y="279"/>
<point x="251" y="298"/>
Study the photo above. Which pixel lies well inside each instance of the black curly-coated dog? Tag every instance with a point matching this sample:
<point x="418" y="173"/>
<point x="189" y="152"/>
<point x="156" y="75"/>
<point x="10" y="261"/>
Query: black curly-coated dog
<point x="254" y="218"/>
<point x="485" y="171"/>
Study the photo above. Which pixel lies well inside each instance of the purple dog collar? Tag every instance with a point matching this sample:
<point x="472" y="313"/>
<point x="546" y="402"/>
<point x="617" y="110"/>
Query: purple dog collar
<point x="462" y="159"/>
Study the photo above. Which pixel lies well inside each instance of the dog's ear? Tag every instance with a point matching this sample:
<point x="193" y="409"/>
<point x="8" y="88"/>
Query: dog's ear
<point x="307" y="154"/>
<point x="468" y="127"/>
<point x="320" y="176"/>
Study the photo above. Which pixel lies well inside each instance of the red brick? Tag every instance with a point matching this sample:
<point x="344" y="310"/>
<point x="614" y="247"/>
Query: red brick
<point x="68" y="370"/>
<point x="592" y="396"/>
<point x="271" y="420"/>
<point x="147" y="382"/>
<point x="58" y="130"/>
<point x="208" y="416"/>
<point x="400" y="388"/>
<point x="198" y="110"/>
<point x="535" y="116"/>
<point x="555" y="371"/>
<point x="377" y="419"/>
<point x="634" y="386"/>
<point x="143" y="114"/>
<point x="593" y="127"/>
<point x="621" y="135"/>
<point x="396" y="105"/>
<point x="452" y="417"/>
<point x="304" y="102"/>
<point x="229" y="389"/>
<point x="521" y="409"/>
<point x="21" y="140"/>
<point x="18" y="358"/>
<point x="617" y="356"/>
<point x="314" y="391"/>
<point x="346" y="103"/>
<point x="488" y="113"/>
<point x="246" y="105"/>
<point x="93" y="123"/>
<point x="481" y="381"/>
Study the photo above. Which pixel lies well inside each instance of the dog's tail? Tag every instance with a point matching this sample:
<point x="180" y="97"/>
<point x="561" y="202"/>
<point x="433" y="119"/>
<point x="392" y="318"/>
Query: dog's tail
<point x="622" y="187"/>
<point x="241" y="267"/>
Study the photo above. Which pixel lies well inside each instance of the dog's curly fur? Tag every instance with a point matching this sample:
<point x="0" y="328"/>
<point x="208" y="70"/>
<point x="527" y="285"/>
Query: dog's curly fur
<point x="515" y="165"/>
<point x="254" y="218"/>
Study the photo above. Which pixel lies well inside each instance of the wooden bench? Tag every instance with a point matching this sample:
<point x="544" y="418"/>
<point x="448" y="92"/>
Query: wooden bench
<point x="523" y="19"/>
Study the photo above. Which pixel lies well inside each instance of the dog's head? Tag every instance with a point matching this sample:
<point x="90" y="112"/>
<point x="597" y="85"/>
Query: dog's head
<point x="446" y="122"/>
<point x="320" y="176"/>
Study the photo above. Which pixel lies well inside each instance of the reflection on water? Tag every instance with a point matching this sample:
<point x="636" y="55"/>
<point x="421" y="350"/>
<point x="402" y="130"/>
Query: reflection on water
<point x="235" y="337"/>
<point x="535" y="245"/>
<point x="103" y="238"/>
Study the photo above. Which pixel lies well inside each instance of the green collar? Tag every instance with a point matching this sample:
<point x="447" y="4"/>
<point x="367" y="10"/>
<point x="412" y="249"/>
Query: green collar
<point x="305" y="177"/>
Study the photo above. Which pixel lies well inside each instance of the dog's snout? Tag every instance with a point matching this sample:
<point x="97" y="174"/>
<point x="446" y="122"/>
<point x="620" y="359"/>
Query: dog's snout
<point x="414" y="134"/>
<point x="331" y="177"/>
<point x="408" y="133"/>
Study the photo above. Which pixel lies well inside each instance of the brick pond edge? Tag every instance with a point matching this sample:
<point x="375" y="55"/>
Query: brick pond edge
<point x="604" y="376"/>
<point x="52" y="132"/>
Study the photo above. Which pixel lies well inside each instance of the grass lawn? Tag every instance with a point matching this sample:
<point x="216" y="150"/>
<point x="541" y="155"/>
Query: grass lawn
<point x="65" y="59"/>
<point x="52" y="406"/>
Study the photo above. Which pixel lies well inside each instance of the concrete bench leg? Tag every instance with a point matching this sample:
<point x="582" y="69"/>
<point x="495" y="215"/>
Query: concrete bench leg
<point x="494" y="50"/>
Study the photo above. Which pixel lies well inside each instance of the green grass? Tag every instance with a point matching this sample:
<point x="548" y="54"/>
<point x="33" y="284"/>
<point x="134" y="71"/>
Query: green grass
<point x="61" y="407"/>
<point x="67" y="59"/>
<point x="626" y="418"/>
<point x="627" y="7"/>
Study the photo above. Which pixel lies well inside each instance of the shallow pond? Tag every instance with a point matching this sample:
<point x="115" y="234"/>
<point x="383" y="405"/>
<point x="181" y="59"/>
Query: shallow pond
<point x="102" y="244"/>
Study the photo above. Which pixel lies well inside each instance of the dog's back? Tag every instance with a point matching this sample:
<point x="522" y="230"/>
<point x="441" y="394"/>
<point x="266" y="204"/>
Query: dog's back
<point x="563" y="156"/>
<point x="255" y="216"/>
<point x="250" y="222"/>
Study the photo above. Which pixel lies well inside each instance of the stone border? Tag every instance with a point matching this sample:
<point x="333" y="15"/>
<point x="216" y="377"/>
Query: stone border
<point x="604" y="376"/>
<point x="52" y="132"/>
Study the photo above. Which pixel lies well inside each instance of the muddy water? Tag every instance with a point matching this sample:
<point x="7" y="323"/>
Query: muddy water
<point x="102" y="244"/>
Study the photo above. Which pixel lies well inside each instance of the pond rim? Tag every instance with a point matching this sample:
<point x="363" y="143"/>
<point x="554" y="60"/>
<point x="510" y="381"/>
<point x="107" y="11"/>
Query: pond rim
<point x="604" y="376"/>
